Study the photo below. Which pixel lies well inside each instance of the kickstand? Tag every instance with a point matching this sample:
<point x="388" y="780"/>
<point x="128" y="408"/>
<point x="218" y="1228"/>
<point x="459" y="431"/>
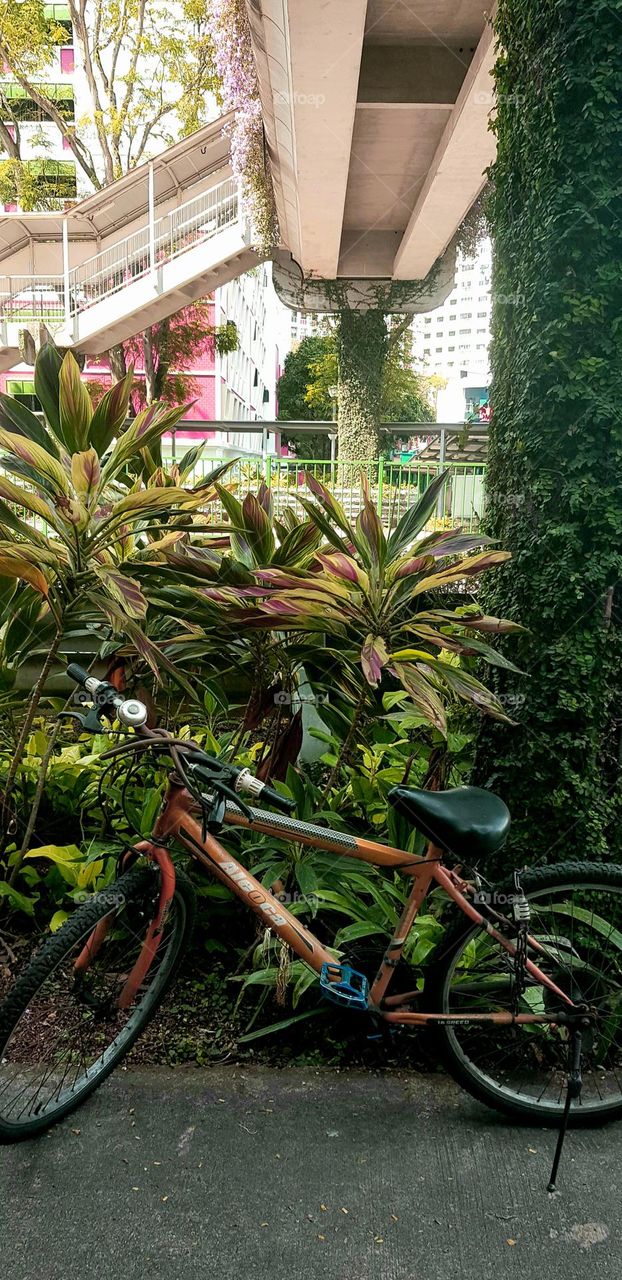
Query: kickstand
<point x="573" y="1091"/>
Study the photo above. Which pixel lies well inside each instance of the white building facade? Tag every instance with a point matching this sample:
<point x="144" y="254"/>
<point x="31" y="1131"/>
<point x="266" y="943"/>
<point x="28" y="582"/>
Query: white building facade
<point x="453" y="341"/>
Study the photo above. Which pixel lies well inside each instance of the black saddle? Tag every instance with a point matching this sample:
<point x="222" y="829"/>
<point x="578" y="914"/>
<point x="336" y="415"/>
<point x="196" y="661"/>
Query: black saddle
<point x="466" y="821"/>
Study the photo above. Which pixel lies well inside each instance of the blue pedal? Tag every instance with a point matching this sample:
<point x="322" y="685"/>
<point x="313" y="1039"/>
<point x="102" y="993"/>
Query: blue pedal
<point x="344" y="985"/>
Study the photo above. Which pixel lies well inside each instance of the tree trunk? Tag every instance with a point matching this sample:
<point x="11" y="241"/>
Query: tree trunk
<point x="362" y="348"/>
<point x="556" y="434"/>
<point x="118" y="363"/>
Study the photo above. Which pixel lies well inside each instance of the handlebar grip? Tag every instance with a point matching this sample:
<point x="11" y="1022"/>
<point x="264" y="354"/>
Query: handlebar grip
<point x="77" y="673"/>
<point x="277" y="801"/>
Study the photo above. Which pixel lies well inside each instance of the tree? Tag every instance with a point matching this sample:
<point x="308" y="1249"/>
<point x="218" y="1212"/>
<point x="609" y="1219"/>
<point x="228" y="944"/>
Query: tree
<point x="148" y="70"/>
<point x="318" y="362"/>
<point x="168" y="350"/>
<point x="298" y="379"/>
<point x="147" y="67"/>
<point x="555" y="455"/>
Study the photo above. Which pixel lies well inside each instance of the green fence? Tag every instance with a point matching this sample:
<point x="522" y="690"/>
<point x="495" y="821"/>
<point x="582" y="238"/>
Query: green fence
<point x="394" y="485"/>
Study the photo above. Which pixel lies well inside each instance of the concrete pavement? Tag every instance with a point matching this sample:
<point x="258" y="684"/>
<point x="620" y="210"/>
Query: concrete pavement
<point x="244" y="1174"/>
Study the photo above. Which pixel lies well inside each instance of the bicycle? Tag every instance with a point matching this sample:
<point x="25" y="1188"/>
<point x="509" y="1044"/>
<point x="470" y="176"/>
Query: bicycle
<point x="524" y="1004"/>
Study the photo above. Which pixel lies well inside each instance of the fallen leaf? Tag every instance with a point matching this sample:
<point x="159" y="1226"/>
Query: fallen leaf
<point x="510" y="1241"/>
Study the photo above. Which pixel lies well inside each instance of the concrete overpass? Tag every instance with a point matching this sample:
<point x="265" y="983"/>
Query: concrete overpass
<point x="376" y="116"/>
<point x="377" y="122"/>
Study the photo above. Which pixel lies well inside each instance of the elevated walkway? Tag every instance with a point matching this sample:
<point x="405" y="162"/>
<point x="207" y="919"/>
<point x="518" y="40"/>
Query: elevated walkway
<point x="164" y="235"/>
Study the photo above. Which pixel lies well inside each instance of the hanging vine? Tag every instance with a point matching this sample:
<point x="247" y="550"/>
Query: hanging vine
<point x="239" y="92"/>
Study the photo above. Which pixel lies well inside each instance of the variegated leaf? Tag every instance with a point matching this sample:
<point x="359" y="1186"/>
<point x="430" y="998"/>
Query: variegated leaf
<point x="374" y="658"/>
<point x="85" y="473"/>
<point x="74" y="404"/>
<point x="111" y="414"/>
<point x="126" y="591"/>
<point x="422" y="693"/>
<point x="13" y="565"/>
<point x="37" y="458"/>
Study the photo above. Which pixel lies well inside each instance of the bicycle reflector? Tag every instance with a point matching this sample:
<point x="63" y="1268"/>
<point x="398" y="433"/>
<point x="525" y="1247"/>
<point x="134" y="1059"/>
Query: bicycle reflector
<point x="344" y="985"/>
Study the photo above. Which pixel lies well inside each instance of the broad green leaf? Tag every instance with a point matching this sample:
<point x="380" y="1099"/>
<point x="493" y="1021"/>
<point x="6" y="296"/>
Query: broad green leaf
<point x="47" y="373"/>
<point x="75" y="405"/>
<point x="16" y="899"/>
<point x="58" y="920"/>
<point x="111" y="414"/>
<point x="414" y="519"/>
<point x="17" y="418"/>
<point x="56" y="852"/>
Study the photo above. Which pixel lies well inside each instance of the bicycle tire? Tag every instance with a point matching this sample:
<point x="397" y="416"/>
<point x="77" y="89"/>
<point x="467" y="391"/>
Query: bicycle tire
<point x="130" y="890"/>
<point x="446" y="1039"/>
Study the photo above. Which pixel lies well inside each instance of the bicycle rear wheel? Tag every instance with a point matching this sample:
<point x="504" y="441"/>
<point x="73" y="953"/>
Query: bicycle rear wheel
<point x="576" y="916"/>
<point x="61" y="1029"/>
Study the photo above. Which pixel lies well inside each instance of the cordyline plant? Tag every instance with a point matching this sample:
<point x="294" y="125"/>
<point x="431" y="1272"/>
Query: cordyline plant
<point x="85" y="511"/>
<point x="376" y="599"/>
<point x="210" y="575"/>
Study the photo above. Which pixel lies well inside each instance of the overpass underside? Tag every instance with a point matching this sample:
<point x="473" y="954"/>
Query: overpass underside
<point x="377" y="118"/>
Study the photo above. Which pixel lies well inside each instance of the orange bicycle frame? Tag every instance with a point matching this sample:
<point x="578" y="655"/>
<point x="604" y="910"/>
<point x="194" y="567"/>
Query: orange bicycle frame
<point x="177" y="821"/>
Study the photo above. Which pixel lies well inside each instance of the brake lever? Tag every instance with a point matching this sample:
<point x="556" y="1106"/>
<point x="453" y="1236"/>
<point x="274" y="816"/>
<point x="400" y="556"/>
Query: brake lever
<point x="90" y="722"/>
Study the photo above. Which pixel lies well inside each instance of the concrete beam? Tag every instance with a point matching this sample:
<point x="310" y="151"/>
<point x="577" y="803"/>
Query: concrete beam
<point x="308" y="61"/>
<point x="457" y="172"/>
<point x="395" y="74"/>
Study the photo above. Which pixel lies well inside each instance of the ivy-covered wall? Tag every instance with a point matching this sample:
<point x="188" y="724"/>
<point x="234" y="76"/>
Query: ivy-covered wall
<point x="555" y="473"/>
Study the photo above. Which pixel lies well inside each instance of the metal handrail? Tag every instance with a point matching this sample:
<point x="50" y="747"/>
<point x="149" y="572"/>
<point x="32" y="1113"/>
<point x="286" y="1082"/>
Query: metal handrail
<point x="123" y="261"/>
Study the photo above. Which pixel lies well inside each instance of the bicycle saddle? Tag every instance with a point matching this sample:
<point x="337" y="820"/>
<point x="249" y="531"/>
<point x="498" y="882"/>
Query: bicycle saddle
<point x="466" y="821"/>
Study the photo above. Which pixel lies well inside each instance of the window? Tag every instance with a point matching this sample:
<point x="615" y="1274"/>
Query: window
<point x="452" y="333"/>
<point x="451" y="348"/>
<point x="463" y="331"/>
<point x="481" y="315"/>
<point x="25" y="109"/>
<point x="427" y="351"/>
<point x="67" y="60"/>
<point x="466" y="315"/>
<point x="428" y="320"/>
<point x="481" y="330"/>
<point x="439" y="351"/>
<point x="24" y="392"/>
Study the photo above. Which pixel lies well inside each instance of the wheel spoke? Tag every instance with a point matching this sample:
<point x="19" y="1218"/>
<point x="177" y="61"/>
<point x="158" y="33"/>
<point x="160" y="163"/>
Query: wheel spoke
<point x="70" y="1027"/>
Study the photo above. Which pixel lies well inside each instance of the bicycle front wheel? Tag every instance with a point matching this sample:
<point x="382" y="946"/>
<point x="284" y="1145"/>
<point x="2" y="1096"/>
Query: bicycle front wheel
<point x="576" y="917"/>
<point x="61" y="1028"/>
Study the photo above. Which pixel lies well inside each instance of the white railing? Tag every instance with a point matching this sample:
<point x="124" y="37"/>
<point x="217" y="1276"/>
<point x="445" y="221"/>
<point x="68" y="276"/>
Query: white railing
<point x="135" y="256"/>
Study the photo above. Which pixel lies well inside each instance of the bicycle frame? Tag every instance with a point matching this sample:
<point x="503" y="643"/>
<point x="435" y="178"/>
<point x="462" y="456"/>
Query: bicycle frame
<point x="177" y="821"/>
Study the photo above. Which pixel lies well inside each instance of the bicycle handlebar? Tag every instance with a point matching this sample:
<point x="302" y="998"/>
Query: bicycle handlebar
<point x="133" y="714"/>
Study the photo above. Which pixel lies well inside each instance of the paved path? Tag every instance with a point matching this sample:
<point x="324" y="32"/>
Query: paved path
<point x="235" y="1174"/>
